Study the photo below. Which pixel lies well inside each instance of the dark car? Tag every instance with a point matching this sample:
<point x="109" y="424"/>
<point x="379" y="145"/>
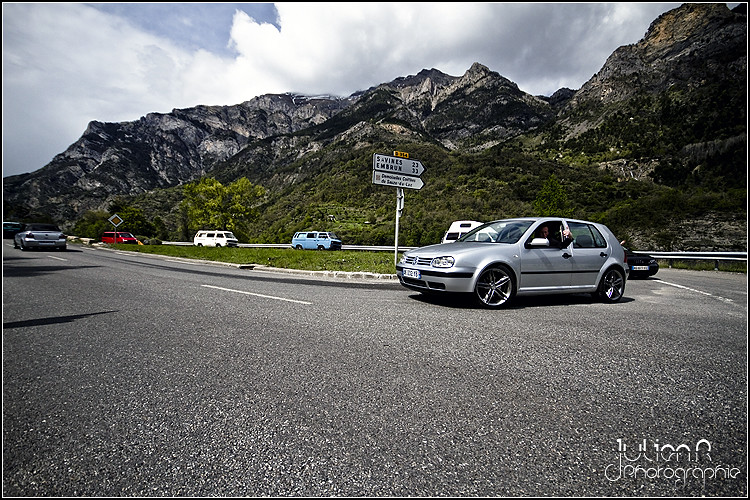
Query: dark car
<point x="641" y="265"/>
<point x="37" y="235"/>
<point x="10" y="229"/>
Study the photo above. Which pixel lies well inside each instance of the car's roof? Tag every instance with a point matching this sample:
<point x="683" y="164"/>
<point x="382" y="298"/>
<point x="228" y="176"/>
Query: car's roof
<point x="535" y="219"/>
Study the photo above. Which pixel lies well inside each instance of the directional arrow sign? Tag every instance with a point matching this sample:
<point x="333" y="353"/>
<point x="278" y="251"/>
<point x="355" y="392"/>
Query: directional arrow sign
<point x="396" y="180"/>
<point x="397" y="165"/>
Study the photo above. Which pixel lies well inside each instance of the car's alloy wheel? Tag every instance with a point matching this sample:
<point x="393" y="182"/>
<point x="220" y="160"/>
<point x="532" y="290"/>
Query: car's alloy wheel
<point x="495" y="287"/>
<point x="612" y="286"/>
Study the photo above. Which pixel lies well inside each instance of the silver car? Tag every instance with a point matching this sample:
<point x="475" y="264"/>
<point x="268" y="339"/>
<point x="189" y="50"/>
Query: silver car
<point x="505" y="258"/>
<point x="37" y="235"/>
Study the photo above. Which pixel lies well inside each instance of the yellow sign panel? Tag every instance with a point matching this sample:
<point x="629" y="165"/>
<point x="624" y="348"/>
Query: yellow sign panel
<point x="400" y="154"/>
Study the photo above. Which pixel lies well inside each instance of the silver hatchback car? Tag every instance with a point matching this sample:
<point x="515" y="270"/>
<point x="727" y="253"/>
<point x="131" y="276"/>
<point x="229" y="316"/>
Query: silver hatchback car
<point x="525" y="256"/>
<point x="37" y="235"/>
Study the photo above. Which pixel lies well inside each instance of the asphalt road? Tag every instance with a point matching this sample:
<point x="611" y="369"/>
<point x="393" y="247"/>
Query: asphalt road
<point x="137" y="375"/>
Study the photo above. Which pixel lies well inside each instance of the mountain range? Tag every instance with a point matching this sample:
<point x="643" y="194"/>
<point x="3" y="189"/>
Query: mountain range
<point x="654" y="145"/>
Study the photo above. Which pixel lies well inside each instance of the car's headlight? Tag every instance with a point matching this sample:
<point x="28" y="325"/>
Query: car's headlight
<point x="443" y="262"/>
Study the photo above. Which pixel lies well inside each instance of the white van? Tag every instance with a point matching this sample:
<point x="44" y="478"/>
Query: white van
<point x="459" y="228"/>
<point x="215" y="238"/>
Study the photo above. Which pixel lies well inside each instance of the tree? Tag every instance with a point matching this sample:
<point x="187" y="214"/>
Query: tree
<point x="210" y="204"/>
<point x="552" y="199"/>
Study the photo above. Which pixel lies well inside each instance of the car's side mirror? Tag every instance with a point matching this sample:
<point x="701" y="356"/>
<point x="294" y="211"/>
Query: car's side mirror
<point x="539" y="242"/>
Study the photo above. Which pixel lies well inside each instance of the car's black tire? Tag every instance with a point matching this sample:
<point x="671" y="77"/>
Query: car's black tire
<point x="495" y="287"/>
<point x="298" y="247"/>
<point x="612" y="286"/>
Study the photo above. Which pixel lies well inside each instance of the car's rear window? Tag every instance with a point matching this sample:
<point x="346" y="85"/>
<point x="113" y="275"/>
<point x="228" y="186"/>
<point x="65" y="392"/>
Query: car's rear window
<point x="42" y="227"/>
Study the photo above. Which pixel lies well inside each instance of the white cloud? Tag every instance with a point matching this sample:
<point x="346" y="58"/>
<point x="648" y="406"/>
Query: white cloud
<point x="67" y="64"/>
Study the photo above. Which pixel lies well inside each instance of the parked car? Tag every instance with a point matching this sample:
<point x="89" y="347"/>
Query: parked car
<point x="316" y="240"/>
<point x="37" y="235"/>
<point x="459" y="228"/>
<point x="641" y="265"/>
<point x="119" y="237"/>
<point x="10" y="229"/>
<point x="503" y="259"/>
<point x="215" y="238"/>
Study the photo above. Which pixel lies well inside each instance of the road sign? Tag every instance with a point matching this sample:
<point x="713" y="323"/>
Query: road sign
<point x="115" y="220"/>
<point x="400" y="154"/>
<point x="396" y="180"/>
<point x="397" y="165"/>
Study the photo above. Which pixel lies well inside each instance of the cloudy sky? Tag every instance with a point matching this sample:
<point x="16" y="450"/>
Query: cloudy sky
<point x="66" y="64"/>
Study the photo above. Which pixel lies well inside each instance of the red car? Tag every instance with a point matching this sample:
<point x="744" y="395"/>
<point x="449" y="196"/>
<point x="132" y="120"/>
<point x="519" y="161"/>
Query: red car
<point x="109" y="237"/>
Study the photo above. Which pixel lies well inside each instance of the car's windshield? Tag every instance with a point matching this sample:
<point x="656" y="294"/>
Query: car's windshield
<point x="230" y="236"/>
<point x="502" y="231"/>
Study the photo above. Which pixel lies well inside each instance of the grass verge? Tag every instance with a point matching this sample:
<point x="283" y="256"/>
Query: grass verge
<point x="307" y="260"/>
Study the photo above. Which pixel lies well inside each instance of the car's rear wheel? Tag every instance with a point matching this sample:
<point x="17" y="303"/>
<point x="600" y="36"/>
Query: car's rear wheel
<point x="495" y="287"/>
<point x="612" y="285"/>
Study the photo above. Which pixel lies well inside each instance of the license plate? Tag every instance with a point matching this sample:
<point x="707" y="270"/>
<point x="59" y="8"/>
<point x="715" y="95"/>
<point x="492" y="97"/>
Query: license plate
<point x="412" y="273"/>
<point x="639" y="268"/>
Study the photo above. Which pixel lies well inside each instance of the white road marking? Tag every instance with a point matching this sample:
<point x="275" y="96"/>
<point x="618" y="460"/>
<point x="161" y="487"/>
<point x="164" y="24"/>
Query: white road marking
<point x="258" y="295"/>
<point x="694" y="290"/>
<point x="57" y="258"/>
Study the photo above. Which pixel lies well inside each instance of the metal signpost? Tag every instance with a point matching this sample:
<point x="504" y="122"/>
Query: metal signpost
<point x="400" y="172"/>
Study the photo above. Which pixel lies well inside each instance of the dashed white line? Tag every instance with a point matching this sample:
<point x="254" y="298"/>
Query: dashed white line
<point x="694" y="290"/>
<point x="57" y="258"/>
<point x="258" y="295"/>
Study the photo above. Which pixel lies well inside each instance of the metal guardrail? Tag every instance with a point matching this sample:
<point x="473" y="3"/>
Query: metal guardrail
<point x="714" y="256"/>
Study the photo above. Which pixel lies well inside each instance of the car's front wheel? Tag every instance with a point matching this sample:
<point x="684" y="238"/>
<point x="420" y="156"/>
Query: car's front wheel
<point x="495" y="287"/>
<point x="612" y="285"/>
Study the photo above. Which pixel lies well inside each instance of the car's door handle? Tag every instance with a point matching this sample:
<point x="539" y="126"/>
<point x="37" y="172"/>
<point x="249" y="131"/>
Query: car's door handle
<point x="602" y="254"/>
<point x="566" y="255"/>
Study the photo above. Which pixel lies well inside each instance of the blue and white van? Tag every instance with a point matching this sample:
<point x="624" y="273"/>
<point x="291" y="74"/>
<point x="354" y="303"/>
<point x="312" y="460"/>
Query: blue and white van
<point x="316" y="240"/>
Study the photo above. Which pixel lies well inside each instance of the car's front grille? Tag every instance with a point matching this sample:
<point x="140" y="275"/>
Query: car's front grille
<point x="420" y="261"/>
